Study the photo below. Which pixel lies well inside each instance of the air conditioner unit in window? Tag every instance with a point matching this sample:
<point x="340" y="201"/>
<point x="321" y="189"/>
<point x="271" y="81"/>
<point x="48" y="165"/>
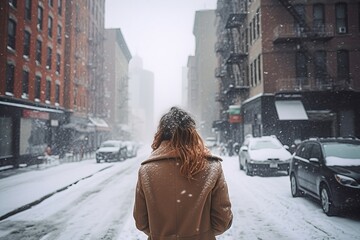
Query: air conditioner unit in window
<point x="342" y="30"/>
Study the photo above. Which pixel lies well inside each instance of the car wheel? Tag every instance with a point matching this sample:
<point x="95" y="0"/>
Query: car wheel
<point x="295" y="192"/>
<point x="326" y="202"/>
<point x="97" y="161"/>
<point x="247" y="171"/>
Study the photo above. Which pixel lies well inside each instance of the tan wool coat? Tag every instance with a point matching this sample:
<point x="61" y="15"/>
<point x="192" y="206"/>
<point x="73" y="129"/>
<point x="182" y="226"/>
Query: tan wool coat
<point x="168" y="206"/>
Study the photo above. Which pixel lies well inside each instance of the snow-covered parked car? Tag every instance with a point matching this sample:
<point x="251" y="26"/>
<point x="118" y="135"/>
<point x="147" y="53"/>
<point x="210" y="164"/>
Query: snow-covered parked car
<point x="111" y="150"/>
<point x="329" y="170"/>
<point x="210" y="142"/>
<point x="264" y="154"/>
<point x="132" y="148"/>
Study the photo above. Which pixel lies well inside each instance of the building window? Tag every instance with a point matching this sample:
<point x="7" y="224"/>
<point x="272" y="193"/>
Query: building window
<point x="300" y="9"/>
<point x="13" y="3"/>
<point x="250" y="33"/>
<point x="38" y="51"/>
<point x="48" y="58"/>
<point x="259" y="69"/>
<point x="258" y="21"/>
<point x="59" y="29"/>
<point x="51" y="3"/>
<point x="254" y="28"/>
<point x="50" y="26"/>
<point x="48" y="90"/>
<point x="28" y="9"/>
<point x="343" y="71"/>
<point x="57" y="93"/>
<point x="255" y="72"/>
<point x="10" y="74"/>
<point x="320" y="67"/>
<point x="246" y="41"/>
<point x="25" y="84"/>
<point x="75" y="95"/>
<point x="40" y="14"/>
<point x="252" y="75"/>
<point x="58" y="63"/>
<point x="60" y="7"/>
<point x="37" y="87"/>
<point x="11" y="34"/>
<point x="341" y="18"/>
<point x="301" y="69"/>
<point x="319" y="18"/>
<point x="27" y="38"/>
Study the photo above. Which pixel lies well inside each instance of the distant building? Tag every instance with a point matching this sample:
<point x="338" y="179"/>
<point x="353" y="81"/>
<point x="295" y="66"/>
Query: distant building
<point x="117" y="57"/>
<point x="290" y="67"/>
<point x="203" y="86"/>
<point x="84" y="76"/>
<point x="141" y="101"/>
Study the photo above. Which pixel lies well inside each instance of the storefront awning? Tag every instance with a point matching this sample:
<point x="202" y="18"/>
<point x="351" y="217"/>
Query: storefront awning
<point x="291" y="110"/>
<point x="42" y="109"/>
<point x="83" y="128"/>
<point x="99" y="123"/>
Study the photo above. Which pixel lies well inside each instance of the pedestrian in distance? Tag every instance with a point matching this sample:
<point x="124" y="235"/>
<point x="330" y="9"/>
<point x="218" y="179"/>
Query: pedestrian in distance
<point x="181" y="191"/>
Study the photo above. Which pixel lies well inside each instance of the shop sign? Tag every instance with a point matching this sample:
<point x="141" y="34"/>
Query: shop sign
<point x="235" y="118"/>
<point x="234" y="109"/>
<point x="35" y="114"/>
<point x="54" y="123"/>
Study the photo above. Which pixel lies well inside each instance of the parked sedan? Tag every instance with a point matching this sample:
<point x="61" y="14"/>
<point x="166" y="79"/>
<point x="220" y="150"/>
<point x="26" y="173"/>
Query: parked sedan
<point x="111" y="150"/>
<point x="329" y="170"/>
<point x="132" y="148"/>
<point x="263" y="155"/>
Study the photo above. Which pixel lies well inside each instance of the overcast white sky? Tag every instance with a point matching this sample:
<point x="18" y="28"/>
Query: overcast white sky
<point x="160" y="32"/>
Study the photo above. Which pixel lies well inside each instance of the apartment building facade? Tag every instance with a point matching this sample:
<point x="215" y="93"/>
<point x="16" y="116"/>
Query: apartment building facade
<point x="31" y="77"/>
<point x="117" y="58"/>
<point x="296" y="66"/>
<point x="202" y="82"/>
<point x="51" y="82"/>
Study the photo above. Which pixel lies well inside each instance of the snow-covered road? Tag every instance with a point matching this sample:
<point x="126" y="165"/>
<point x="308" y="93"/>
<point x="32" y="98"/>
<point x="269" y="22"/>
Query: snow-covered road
<point x="100" y="205"/>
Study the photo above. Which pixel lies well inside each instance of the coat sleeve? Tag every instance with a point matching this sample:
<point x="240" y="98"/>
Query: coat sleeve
<point x="221" y="214"/>
<point x="140" y="210"/>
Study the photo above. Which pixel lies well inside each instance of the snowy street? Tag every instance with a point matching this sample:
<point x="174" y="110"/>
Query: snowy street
<point x="96" y="201"/>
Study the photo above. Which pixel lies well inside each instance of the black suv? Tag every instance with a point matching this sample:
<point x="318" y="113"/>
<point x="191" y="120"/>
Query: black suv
<point x="329" y="170"/>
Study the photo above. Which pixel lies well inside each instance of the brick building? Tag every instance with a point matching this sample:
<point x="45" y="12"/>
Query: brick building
<point x="31" y="77"/>
<point x="292" y="67"/>
<point x="51" y="78"/>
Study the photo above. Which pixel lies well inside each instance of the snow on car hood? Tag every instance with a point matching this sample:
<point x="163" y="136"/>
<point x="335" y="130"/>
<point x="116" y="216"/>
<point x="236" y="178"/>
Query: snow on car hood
<point x="108" y="149"/>
<point x="265" y="154"/>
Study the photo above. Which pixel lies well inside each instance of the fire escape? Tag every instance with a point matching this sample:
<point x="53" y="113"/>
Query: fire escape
<point x="308" y="40"/>
<point x="233" y="59"/>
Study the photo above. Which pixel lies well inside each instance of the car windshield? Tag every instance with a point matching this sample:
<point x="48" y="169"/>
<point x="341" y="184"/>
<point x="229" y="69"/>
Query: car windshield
<point x="261" y="144"/>
<point x="342" y="154"/>
<point x="110" y="144"/>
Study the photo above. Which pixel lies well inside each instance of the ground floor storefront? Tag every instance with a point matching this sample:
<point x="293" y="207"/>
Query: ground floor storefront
<point x="27" y="131"/>
<point x="298" y="116"/>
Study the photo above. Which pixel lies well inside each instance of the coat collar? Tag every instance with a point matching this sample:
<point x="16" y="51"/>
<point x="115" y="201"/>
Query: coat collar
<point x="165" y="151"/>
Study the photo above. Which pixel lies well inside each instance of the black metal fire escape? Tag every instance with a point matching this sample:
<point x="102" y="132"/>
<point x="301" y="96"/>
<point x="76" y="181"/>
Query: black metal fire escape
<point x="306" y="34"/>
<point x="235" y="58"/>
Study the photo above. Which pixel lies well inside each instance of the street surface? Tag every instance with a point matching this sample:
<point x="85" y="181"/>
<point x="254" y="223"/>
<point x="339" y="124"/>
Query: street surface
<point x="99" y="206"/>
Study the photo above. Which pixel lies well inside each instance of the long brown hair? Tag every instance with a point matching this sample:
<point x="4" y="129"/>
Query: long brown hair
<point x="179" y="128"/>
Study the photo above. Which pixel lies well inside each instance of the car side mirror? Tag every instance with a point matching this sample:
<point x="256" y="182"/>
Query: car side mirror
<point x="314" y="160"/>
